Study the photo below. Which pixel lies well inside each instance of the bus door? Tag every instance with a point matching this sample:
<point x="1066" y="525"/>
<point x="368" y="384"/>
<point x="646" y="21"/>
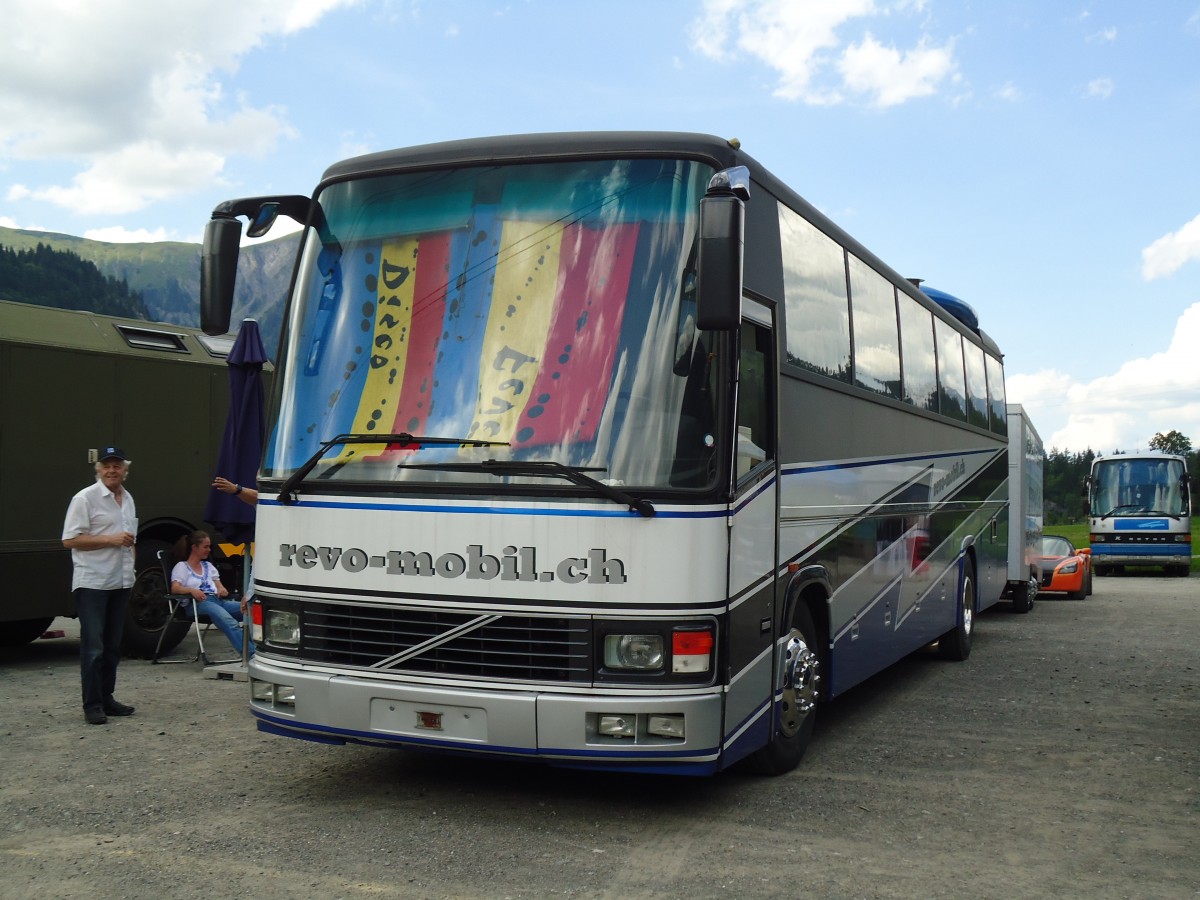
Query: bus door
<point x="753" y="534"/>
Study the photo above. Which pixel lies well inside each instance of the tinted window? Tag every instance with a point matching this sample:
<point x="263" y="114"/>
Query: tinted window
<point x="952" y="391"/>
<point x="876" y="342"/>
<point x="977" y="405"/>
<point x="995" y="376"/>
<point x="916" y="347"/>
<point x="814" y="289"/>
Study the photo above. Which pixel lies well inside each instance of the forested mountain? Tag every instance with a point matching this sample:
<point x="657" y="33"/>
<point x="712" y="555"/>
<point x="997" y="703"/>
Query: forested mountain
<point x="166" y="275"/>
<point x="44" y="276"/>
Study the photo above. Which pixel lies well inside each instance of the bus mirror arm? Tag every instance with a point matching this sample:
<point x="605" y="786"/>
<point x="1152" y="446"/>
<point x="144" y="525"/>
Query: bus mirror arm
<point x="222" y="239"/>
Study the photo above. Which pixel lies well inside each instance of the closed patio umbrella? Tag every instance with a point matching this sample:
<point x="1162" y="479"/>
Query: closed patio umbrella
<point x="242" y="443"/>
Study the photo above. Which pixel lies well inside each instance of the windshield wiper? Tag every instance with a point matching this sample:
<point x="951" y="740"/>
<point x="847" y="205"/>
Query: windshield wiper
<point x="1117" y="509"/>
<point x="547" y="469"/>
<point x="287" y="493"/>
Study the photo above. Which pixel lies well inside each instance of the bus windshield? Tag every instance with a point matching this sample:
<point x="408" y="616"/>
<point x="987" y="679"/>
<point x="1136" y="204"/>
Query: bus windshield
<point x="543" y="311"/>
<point x="1139" y="486"/>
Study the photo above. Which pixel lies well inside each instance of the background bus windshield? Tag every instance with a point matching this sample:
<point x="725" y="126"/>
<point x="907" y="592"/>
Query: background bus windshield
<point x="546" y="307"/>
<point x="1145" y="486"/>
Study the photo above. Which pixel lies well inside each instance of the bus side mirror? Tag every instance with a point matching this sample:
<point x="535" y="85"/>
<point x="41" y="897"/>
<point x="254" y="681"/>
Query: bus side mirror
<point x="218" y="273"/>
<point x="722" y="239"/>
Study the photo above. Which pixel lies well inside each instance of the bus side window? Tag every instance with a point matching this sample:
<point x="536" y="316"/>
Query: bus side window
<point x="755" y="426"/>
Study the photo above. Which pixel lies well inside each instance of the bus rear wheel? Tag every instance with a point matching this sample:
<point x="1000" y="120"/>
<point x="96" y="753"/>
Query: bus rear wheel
<point x="798" y="707"/>
<point x="955" y="644"/>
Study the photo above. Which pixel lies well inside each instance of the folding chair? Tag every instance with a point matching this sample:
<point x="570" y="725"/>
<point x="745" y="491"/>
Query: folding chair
<point x="180" y="608"/>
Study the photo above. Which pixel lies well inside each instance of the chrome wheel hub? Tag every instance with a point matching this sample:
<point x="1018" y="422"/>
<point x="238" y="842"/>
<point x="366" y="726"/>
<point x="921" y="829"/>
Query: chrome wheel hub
<point x="801" y="678"/>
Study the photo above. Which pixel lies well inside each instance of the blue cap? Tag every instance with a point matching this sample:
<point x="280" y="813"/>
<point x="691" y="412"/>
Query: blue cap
<point x="113" y="453"/>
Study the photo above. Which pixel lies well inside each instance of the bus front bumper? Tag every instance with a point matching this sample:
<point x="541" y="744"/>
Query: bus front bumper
<point x="1163" y="555"/>
<point x="643" y="731"/>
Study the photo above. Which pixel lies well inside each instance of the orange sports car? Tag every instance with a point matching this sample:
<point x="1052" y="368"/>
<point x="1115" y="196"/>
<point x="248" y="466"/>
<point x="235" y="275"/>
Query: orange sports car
<point x="1064" y="568"/>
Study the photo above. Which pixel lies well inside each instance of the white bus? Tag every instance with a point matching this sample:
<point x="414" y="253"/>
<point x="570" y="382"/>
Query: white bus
<point x="1139" y="508"/>
<point x="605" y="450"/>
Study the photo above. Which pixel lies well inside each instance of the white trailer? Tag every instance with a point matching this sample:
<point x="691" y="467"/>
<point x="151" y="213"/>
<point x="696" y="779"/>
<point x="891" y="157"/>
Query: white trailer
<point x="1026" y="460"/>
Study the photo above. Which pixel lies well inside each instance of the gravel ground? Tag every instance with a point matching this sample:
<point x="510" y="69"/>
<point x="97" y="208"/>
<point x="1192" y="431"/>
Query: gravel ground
<point x="1060" y="760"/>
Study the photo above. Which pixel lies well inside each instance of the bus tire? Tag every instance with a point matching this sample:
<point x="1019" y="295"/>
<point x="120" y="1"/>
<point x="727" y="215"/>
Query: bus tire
<point x="955" y="644"/>
<point x="146" y="616"/>
<point x="20" y="632"/>
<point x="798" y="709"/>
<point x="1023" y="597"/>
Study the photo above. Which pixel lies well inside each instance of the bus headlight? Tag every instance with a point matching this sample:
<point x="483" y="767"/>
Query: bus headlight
<point x="643" y="652"/>
<point x="281" y="627"/>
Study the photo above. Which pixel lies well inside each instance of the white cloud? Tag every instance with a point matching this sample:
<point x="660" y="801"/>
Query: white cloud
<point x="1171" y="251"/>
<point x="132" y="93"/>
<point x="1008" y="92"/>
<point x="800" y="42"/>
<point x="1099" y="87"/>
<point x="1104" y="36"/>
<point x="1122" y="410"/>
<point x="892" y="77"/>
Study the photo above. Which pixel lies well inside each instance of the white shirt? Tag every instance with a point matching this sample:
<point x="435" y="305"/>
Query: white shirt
<point x="95" y="511"/>
<point x="206" y="581"/>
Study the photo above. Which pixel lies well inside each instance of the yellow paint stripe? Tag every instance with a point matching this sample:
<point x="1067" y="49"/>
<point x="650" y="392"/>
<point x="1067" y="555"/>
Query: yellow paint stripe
<point x="522" y="309"/>
<point x="389" y="345"/>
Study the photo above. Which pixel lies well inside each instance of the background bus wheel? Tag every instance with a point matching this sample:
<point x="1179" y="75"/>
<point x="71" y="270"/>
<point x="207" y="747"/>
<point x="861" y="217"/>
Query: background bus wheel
<point x="22" y="631"/>
<point x="798" y="709"/>
<point x="147" y="614"/>
<point x="955" y="644"/>
<point x="1022" y="601"/>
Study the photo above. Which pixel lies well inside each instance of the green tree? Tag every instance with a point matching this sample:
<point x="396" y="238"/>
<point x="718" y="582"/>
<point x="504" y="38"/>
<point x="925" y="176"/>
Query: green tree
<point x="1171" y="442"/>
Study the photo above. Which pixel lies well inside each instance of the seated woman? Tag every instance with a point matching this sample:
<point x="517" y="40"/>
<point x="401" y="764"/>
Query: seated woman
<point x="198" y="578"/>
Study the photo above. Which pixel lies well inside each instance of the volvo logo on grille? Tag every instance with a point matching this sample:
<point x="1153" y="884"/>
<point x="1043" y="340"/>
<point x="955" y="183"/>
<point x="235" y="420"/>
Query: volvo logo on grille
<point x="430" y="721"/>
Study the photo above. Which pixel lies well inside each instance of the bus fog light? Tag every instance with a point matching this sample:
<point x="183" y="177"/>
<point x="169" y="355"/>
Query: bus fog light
<point x="633" y="651"/>
<point x="617" y="726"/>
<point x="274" y="694"/>
<point x="281" y="627"/>
<point x="262" y="690"/>
<point x="666" y="726"/>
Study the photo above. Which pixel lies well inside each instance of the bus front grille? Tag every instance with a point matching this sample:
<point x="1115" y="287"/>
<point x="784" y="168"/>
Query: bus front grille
<point x="520" y="648"/>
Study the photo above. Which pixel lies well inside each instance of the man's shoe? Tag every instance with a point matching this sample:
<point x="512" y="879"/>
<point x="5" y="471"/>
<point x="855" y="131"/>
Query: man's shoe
<point x="95" y="717"/>
<point x="116" y="708"/>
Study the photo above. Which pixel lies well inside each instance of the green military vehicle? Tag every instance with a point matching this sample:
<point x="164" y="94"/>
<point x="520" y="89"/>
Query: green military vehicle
<point x="71" y="382"/>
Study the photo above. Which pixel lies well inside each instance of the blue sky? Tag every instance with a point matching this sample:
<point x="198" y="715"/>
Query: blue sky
<point x="1040" y="160"/>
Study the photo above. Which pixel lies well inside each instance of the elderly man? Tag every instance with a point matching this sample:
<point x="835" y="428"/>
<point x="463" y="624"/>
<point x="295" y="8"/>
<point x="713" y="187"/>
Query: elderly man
<point x="99" y="530"/>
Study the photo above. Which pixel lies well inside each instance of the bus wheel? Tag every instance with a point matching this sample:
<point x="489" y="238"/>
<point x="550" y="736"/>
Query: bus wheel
<point x="22" y="631"/>
<point x="798" y="708"/>
<point x="1022" y="601"/>
<point x="955" y="644"/>
<point x="147" y="616"/>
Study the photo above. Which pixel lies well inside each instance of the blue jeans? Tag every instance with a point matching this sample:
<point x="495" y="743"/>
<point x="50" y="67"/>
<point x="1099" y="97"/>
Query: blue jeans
<point x="101" y="623"/>
<point x="226" y="615"/>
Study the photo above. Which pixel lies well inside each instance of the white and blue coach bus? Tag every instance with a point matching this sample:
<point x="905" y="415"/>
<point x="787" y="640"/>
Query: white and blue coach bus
<point x="1139" y="512"/>
<point x="604" y="450"/>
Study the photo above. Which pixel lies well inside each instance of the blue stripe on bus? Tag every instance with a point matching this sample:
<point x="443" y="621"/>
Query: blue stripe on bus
<point x="615" y="513"/>
<point x="802" y="468"/>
